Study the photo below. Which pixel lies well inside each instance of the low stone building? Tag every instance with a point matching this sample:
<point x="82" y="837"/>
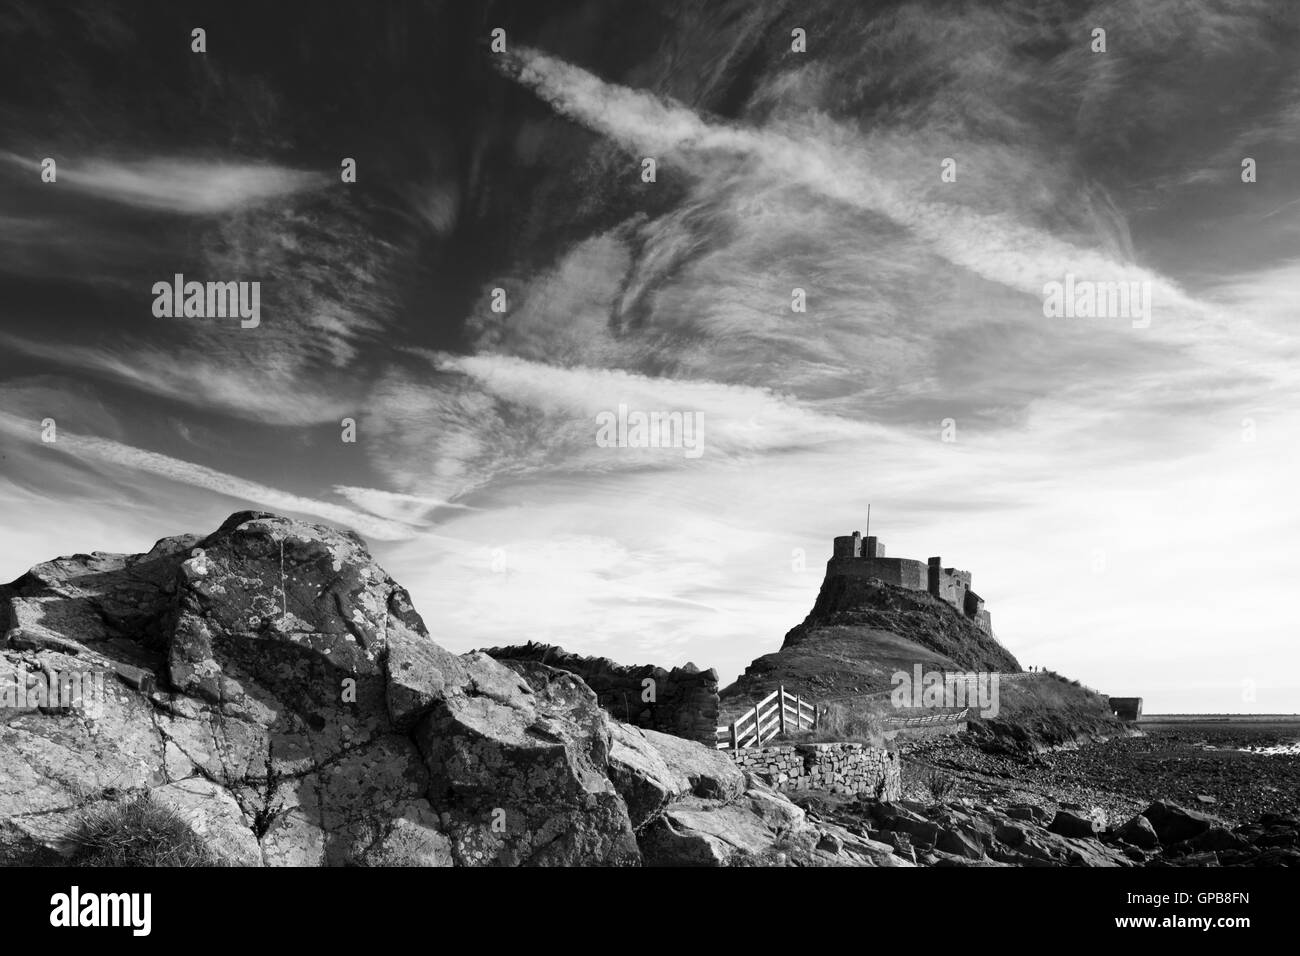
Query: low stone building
<point x="1126" y="708"/>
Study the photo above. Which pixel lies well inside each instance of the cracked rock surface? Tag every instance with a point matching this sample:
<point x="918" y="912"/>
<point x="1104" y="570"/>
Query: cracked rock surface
<point x="272" y="685"/>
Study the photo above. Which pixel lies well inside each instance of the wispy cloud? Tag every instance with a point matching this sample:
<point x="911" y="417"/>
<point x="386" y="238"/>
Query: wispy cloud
<point x="484" y="418"/>
<point x="188" y="186"/>
<point x="822" y="157"/>
<point x="268" y="393"/>
<point x="101" y="452"/>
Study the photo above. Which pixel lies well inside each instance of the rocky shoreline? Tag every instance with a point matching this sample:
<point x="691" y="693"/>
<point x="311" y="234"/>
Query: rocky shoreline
<point x="1195" y="766"/>
<point x="964" y="832"/>
<point x="269" y="688"/>
<point x="1180" y="797"/>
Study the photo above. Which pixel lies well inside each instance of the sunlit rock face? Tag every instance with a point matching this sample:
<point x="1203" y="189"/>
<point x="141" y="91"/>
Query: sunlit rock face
<point x="273" y="686"/>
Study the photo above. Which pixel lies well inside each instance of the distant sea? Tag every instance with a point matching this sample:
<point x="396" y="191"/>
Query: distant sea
<point x="1265" y="734"/>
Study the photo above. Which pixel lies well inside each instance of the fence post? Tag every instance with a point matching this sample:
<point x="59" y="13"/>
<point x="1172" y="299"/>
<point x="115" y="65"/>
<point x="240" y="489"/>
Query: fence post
<point x="758" y="729"/>
<point x="734" y="744"/>
<point x="780" y="706"/>
<point x="798" y="711"/>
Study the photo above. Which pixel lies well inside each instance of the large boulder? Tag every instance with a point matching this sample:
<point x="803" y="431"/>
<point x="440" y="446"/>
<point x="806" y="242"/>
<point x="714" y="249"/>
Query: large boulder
<point x="272" y="685"/>
<point x="906" y="818"/>
<point x="520" y="766"/>
<point x="960" y="841"/>
<point x="761" y="827"/>
<point x="1078" y="823"/>
<point x="1217" y="839"/>
<point x="697" y="832"/>
<point x="1173" y="823"/>
<point x="274" y="688"/>
<point x="653" y="770"/>
<point x="1139" y="832"/>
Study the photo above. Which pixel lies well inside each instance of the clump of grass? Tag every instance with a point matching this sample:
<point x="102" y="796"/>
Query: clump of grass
<point x="938" y="785"/>
<point x="137" y="832"/>
<point x="1073" y="682"/>
<point x="1043" y="712"/>
<point x="845" y="722"/>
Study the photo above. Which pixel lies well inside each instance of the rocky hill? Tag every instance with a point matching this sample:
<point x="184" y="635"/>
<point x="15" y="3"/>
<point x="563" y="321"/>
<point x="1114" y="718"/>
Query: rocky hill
<point x="273" y="688"/>
<point x="859" y="632"/>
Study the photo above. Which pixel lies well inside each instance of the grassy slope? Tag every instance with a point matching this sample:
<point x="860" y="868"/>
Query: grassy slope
<point x="858" y="634"/>
<point x="1043" y="711"/>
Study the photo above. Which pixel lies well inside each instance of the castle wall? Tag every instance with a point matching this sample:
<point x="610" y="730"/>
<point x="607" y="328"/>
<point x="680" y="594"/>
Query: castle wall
<point x="960" y="582"/>
<point x="854" y="556"/>
<point x="902" y="572"/>
<point x="948" y="590"/>
<point x="953" y="587"/>
<point x="947" y="584"/>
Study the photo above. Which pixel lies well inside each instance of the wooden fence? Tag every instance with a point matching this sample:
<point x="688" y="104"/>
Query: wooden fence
<point x="774" y="714"/>
<point x="929" y="720"/>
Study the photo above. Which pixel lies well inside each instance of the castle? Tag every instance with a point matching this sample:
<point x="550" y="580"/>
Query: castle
<point x="859" y="557"/>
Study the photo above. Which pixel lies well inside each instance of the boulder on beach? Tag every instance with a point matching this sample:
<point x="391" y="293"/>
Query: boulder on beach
<point x="276" y="690"/>
<point x="1173" y="823"/>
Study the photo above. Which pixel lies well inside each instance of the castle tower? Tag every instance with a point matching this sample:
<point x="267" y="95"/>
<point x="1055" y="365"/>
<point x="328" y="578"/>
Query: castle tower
<point x="848" y="546"/>
<point x="934" y="577"/>
<point x="875" y="547"/>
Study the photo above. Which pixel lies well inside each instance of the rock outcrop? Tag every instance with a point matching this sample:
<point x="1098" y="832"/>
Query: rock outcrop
<point x="273" y="686"/>
<point x="859" y="633"/>
<point x="862" y="632"/>
<point x="682" y="701"/>
<point x="761" y="828"/>
<point x="966" y="833"/>
<point x="961" y="833"/>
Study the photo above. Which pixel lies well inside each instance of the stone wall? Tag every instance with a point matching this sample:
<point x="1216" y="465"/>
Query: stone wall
<point x="900" y="572"/>
<point x="839" y="768"/>
<point x="854" y="556"/>
<point x="685" y="698"/>
<point x="948" y="584"/>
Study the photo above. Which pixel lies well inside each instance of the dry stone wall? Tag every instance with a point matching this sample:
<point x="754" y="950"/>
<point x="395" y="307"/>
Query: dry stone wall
<point x="836" y="767"/>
